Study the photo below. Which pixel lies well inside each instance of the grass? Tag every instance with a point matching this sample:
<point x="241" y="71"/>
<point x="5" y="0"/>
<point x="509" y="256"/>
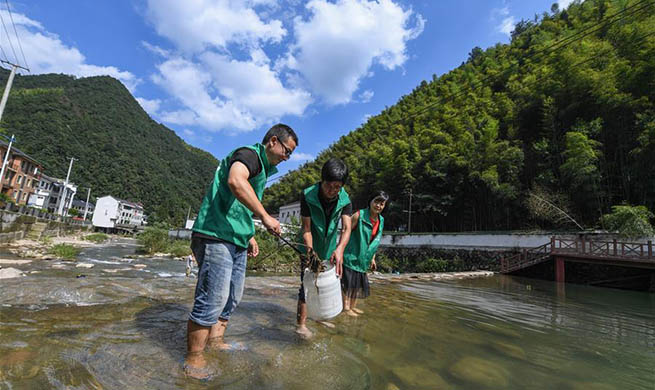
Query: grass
<point x="65" y="251"/>
<point x="97" y="237"/>
<point x="155" y="240"/>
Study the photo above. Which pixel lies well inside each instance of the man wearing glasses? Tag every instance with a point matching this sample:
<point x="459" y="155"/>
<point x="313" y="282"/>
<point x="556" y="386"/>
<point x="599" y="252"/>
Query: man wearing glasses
<point x="223" y="236"/>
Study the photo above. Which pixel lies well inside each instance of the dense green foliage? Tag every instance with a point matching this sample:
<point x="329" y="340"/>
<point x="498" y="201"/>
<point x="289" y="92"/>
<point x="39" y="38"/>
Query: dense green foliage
<point x="120" y="150"/>
<point x="274" y="255"/>
<point x="576" y="120"/>
<point x="154" y="239"/>
<point x="630" y="221"/>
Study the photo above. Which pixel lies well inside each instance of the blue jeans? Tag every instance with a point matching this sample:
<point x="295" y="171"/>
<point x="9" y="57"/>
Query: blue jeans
<point x="221" y="276"/>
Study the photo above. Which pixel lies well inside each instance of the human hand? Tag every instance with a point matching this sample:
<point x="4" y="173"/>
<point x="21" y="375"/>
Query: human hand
<point x="272" y="225"/>
<point x="337" y="260"/>
<point x="373" y="265"/>
<point x="253" y="248"/>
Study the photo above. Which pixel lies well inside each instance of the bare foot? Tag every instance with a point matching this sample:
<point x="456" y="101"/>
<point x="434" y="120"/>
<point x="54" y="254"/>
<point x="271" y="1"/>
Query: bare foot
<point x="351" y="313"/>
<point x="219" y="344"/>
<point x="358" y="311"/>
<point x="326" y="324"/>
<point x="304" y="332"/>
<point x="195" y="367"/>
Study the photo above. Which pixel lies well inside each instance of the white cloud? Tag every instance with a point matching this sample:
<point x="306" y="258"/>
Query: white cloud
<point x="46" y="53"/>
<point x="156" y="49"/>
<point x="366" y="96"/>
<point x="507" y="26"/>
<point x="188" y="133"/>
<point x="196" y="25"/>
<point x="301" y="157"/>
<point x="334" y="51"/>
<point x="222" y="93"/>
<point x="151" y="106"/>
<point x="563" y="4"/>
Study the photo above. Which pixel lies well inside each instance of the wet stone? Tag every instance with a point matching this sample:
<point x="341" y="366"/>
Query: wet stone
<point x="510" y="350"/>
<point x="9" y="273"/>
<point x="480" y="372"/>
<point x="419" y="377"/>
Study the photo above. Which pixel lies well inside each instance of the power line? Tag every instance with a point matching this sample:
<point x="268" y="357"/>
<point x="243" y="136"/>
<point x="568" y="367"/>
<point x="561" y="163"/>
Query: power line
<point x="547" y="50"/>
<point x="5" y="58"/>
<point x="16" y="32"/>
<point x="4" y="26"/>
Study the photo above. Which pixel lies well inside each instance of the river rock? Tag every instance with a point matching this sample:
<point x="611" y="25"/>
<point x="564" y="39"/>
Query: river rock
<point x="588" y="386"/>
<point x="14" y="261"/>
<point x="417" y="376"/>
<point x="139" y="266"/>
<point x="8" y="273"/>
<point x="480" y="372"/>
<point x="59" y="266"/>
<point x="510" y="350"/>
<point x="84" y="265"/>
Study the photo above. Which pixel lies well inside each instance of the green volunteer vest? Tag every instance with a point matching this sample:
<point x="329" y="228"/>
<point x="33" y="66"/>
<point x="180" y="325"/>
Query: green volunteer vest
<point x="360" y="250"/>
<point x="221" y="215"/>
<point x="324" y="228"/>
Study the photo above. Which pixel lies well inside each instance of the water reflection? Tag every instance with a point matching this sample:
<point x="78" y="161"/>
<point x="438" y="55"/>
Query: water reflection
<point x="126" y="329"/>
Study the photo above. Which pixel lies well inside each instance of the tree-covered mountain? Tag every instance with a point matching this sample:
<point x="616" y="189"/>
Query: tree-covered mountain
<point x="120" y="150"/>
<point x="564" y="115"/>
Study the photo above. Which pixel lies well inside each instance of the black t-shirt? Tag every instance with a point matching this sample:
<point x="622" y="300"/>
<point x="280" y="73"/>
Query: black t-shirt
<point x="250" y="159"/>
<point x="327" y="204"/>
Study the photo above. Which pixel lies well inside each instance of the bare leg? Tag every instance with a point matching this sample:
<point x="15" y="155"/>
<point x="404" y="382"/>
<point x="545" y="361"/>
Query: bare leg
<point x="195" y="365"/>
<point x="353" y="302"/>
<point x="301" y="319"/>
<point x="347" y="306"/>
<point x="216" y="336"/>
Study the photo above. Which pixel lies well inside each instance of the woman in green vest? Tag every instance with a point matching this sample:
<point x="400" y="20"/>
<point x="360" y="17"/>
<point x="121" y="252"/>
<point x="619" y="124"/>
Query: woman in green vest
<point x="367" y="225"/>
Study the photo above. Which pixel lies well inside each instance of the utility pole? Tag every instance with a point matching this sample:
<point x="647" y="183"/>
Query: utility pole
<point x="5" y="95"/>
<point x="409" y="220"/>
<point x="188" y="214"/>
<point x="86" y="205"/>
<point x="409" y="212"/>
<point x="4" y="162"/>
<point x="62" y="196"/>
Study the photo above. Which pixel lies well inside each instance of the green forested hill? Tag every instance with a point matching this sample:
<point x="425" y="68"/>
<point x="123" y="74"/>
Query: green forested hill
<point x="120" y="150"/>
<point x="565" y="112"/>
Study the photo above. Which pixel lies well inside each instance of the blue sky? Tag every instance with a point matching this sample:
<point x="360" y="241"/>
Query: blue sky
<point x="221" y="72"/>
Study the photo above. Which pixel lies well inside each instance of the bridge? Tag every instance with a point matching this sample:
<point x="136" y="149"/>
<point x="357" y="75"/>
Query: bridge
<point x="581" y="250"/>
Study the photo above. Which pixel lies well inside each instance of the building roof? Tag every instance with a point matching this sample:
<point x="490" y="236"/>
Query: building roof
<point x="81" y="203"/>
<point x="15" y="150"/>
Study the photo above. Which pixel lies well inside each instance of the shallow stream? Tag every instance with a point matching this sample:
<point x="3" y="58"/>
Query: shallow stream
<point x="122" y="325"/>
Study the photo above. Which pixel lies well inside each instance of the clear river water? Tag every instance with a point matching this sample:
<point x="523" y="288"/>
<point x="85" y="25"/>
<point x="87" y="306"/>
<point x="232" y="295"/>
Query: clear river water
<point x="122" y="325"/>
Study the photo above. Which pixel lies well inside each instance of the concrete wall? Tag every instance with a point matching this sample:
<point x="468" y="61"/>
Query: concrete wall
<point x="15" y="226"/>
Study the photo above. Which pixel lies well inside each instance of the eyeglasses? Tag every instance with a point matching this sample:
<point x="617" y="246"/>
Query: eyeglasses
<point x="287" y="151"/>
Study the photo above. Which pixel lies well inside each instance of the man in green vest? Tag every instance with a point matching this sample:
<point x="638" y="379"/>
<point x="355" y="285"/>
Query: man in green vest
<point x="223" y="236"/>
<point x="322" y="206"/>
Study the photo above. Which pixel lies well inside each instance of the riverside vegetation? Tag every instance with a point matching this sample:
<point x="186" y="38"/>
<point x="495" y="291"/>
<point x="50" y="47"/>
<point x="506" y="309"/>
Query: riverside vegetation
<point x="565" y="112"/>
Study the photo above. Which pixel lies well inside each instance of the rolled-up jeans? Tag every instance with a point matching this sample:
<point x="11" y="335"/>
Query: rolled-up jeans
<point x="221" y="276"/>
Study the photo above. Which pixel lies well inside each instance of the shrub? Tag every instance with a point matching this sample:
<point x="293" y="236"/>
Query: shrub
<point x="97" y="237"/>
<point x="153" y="240"/>
<point x="179" y="248"/>
<point x="432" y="265"/>
<point x="65" y="251"/>
<point x="629" y="221"/>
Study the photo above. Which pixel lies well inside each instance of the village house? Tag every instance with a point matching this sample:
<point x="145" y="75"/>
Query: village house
<point x="115" y="214"/>
<point x="21" y="176"/>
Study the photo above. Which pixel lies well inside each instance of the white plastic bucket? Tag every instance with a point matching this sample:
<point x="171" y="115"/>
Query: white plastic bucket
<point x="325" y="302"/>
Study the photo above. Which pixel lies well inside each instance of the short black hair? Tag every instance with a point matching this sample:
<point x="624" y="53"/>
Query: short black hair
<point x="282" y="132"/>
<point x="334" y="170"/>
<point x="378" y="194"/>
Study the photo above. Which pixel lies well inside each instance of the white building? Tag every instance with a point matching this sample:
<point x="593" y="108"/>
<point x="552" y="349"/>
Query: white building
<point x="290" y="212"/>
<point x="110" y="212"/>
<point x="47" y="195"/>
